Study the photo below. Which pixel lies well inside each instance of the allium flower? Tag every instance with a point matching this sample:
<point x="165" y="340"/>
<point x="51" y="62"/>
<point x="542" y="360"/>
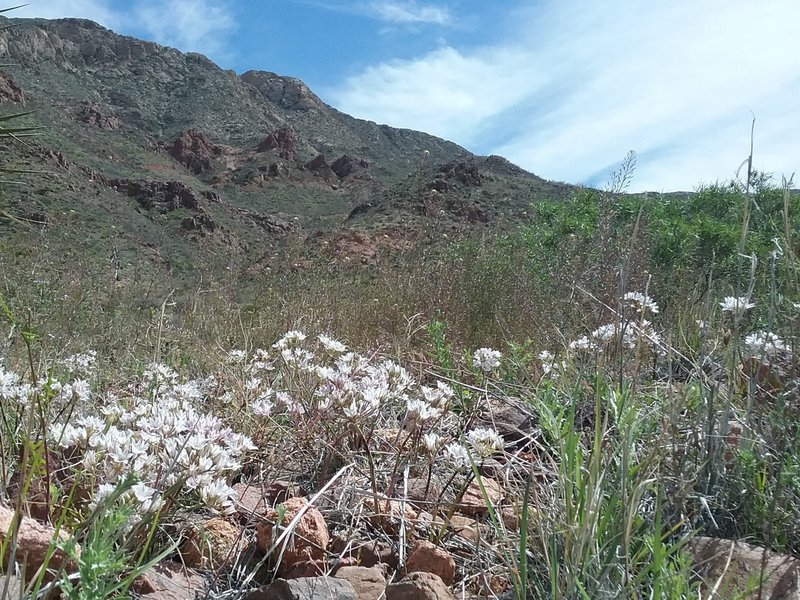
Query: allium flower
<point x="458" y="456"/>
<point x="583" y="344"/>
<point x="431" y="442"/>
<point x="641" y="303"/>
<point x="8" y="383"/>
<point x="331" y="345"/>
<point x="485" y="441"/>
<point x="605" y="333"/>
<point x="486" y="359"/>
<point x="218" y="495"/>
<point x="262" y="407"/>
<point x="419" y="410"/>
<point x="736" y="306"/>
<point x="291" y="339"/>
<point x="81" y="363"/>
<point x="764" y="344"/>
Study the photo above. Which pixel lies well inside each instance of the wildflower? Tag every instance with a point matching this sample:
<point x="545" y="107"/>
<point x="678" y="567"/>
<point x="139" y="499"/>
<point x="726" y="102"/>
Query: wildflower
<point x="262" y="407"/>
<point x="331" y="345"/>
<point x="8" y="383"/>
<point x="764" y="344"/>
<point x="431" y="442"/>
<point x="291" y="339"/>
<point x="583" y="344"/>
<point x="419" y="410"/>
<point x="605" y="333"/>
<point x="485" y="441"/>
<point x="81" y="363"/>
<point x="486" y="359"/>
<point x="737" y="306"/>
<point x="218" y="495"/>
<point x="641" y="302"/>
<point x="456" y="455"/>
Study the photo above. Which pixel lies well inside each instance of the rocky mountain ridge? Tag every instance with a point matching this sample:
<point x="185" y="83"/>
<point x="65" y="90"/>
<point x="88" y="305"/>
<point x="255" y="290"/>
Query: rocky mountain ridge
<point x="154" y="149"/>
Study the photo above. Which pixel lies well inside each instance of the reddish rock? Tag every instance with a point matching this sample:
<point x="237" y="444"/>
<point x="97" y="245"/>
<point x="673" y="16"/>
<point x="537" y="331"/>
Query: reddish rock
<point x="319" y="166"/>
<point x="307" y="542"/>
<point x="305" y="588"/>
<point x="367" y="554"/>
<point x="253" y="500"/>
<point x="194" y="151"/>
<point x="388" y="513"/>
<point x="169" y="580"/>
<point x="282" y="140"/>
<point x="419" y="586"/>
<point x="473" y="502"/>
<point x="347" y="165"/>
<point x="369" y="583"/>
<point x="305" y="568"/>
<point x="429" y="558"/>
<point x="9" y="91"/>
<point x="33" y="541"/>
<point x="467" y="528"/>
<point x="212" y="544"/>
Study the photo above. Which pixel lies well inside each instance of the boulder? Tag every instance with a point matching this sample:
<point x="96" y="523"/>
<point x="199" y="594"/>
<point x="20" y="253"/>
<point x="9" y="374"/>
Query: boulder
<point x="368" y="582"/>
<point x="426" y="557"/>
<point x="169" y="580"/>
<point x="307" y="542"/>
<point x="305" y="588"/>
<point x="194" y="151"/>
<point x="212" y="544"/>
<point x="33" y="541"/>
<point x="419" y="586"/>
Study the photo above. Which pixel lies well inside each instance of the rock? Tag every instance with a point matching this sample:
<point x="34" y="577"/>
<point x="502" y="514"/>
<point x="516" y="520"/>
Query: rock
<point x="93" y="115"/>
<point x="347" y="165"/>
<point x="194" y="151"/>
<point x="388" y="514"/>
<point x="12" y="586"/>
<point x="368" y="582"/>
<point x="780" y="574"/>
<point x="286" y="91"/>
<point x="513" y="422"/>
<point x="33" y="541"/>
<point x="368" y="554"/>
<point x="212" y="544"/>
<point x="467" y="528"/>
<point x="466" y="173"/>
<point x="308" y="541"/>
<point x="429" y="558"/>
<point x="169" y="580"/>
<point x="305" y="588"/>
<point x="319" y="166"/>
<point x="420" y="490"/>
<point x="253" y="501"/>
<point x="9" y="91"/>
<point x="473" y="503"/>
<point x="419" y="586"/>
<point x="282" y="140"/>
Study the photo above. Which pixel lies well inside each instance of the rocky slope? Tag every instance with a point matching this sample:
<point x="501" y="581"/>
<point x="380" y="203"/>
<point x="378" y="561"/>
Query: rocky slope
<point x="158" y="157"/>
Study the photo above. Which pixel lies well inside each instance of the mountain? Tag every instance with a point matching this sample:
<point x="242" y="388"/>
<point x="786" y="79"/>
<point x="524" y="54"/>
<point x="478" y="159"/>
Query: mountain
<point x="152" y="158"/>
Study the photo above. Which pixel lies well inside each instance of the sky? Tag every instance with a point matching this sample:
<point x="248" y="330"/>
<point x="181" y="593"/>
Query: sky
<point x="563" y="88"/>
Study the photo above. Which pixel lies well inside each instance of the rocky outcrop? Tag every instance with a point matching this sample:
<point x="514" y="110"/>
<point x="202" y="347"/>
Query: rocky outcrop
<point x="194" y="151"/>
<point x="286" y="92"/>
<point x="320" y="167"/>
<point x="282" y="140"/>
<point x="347" y="165"/>
<point x="9" y="91"/>
<point x="92" y="114"/>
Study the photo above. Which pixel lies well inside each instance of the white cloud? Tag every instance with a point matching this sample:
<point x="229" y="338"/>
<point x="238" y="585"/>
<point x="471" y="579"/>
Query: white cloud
<point x="581" y="83"/>
<point x="409" y="12"/>
<point x="196" y="25"/>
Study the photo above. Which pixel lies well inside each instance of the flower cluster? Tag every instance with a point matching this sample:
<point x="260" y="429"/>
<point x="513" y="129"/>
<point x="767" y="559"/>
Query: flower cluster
<point x="486" y="359"/>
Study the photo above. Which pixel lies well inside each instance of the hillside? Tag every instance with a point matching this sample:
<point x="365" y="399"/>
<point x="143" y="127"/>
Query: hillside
<point x="152" y="158"/>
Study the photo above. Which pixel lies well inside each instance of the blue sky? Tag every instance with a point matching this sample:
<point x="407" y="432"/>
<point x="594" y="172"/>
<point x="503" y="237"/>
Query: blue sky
<point x="564" y="88"/>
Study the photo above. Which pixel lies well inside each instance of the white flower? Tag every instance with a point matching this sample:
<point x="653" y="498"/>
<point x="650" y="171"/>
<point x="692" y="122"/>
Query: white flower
<point x="764" y="344"/>
<point x="419" y="410"/>
<point x="262" y="407"/>
<point x="292" y="338"/>
<point x="605" y="333"/>
<point x="583" y="344"/>
<point x="218" y="495"/>
<point x="331" y="345"/>
<point x="641" y="302"/>
<point x="235" y="357"/>
<point x="486" y="359"/>
<point x="81" y="363"/>
<point x="456" y="455"/>
<point x="485" y="441"/>
<point x="431" y="441"/>
<point x="736" y="306"/>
